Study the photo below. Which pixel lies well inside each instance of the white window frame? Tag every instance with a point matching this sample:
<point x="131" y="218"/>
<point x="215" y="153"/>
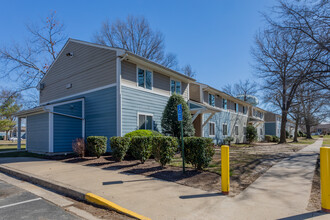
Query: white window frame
<point x="211" y="135"/>
<point x="145" y="114"/>
<point x="145" y="78"/>
<point x="181" y="93"/>
<point x="226" y="129"/>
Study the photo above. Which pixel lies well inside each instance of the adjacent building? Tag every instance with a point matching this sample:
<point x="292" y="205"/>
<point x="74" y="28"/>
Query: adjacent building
<point x="273" y="124"/>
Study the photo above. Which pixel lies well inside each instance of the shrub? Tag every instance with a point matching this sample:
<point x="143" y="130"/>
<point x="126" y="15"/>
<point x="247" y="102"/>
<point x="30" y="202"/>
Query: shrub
<point x="141" y="148"/>
<point x="119" y="147"/>
<point x="251" y="133"/>
<point x="163" y="149"/>
<point x="78" y="146"/>
<point x="143" y="133"/>
<point x="198" y="151"/>
<point x="170" y="123"/>
<point x="228" y="140"/>
<point x="96" y="145"/>
<point x="275" y="138"/>
<point x="268" y="138"/>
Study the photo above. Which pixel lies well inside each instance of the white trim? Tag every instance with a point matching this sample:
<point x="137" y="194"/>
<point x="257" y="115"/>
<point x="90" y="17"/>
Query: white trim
<point x="80" y="93"/>
<point x="145" y="114"/>
<point x="211" y="122"/>
<point x="119" y="96"/>
<point x="51" y="130"/>
<point x="188" y="93"/>
<point x="144" y="90"/>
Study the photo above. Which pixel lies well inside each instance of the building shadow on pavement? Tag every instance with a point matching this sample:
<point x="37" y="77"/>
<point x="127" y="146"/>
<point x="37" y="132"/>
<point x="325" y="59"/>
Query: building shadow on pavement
<point x="306" y="215"/>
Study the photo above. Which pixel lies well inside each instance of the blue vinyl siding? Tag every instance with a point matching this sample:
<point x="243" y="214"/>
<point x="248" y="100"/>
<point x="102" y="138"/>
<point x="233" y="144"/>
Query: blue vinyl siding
<point x="134" y="101"/>
<point x="270" y="128"/>
<point x="67" y="129"/>
<point x="100" y="118"/>
<point x="38" y="132"/>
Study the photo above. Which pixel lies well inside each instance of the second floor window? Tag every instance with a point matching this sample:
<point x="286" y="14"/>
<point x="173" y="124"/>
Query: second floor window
<point x="224" y="103"/>
<point x="175" y="87"/>
<point x="211" y="100"/>
<point x="236" y="107"/>
<point x="144" y="78"/>
<point x="244" y="110"/>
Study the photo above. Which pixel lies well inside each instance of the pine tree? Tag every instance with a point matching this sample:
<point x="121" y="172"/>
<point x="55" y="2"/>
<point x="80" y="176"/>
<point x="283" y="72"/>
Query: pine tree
<point x="170" y="123"/>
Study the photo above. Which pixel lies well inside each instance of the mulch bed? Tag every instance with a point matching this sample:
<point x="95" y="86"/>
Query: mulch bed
<point x="247" y="164"/>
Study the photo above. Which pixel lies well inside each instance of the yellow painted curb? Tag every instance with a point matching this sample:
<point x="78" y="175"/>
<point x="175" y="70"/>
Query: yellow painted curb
<point x="90" y="197"/>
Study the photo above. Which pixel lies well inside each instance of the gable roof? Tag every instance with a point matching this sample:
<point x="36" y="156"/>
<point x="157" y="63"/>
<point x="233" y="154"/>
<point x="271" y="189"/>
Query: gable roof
<point x="121" y="52"/>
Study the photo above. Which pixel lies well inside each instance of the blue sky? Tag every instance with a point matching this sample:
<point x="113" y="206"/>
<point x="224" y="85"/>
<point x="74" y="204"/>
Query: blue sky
<point x="215" y="37"/>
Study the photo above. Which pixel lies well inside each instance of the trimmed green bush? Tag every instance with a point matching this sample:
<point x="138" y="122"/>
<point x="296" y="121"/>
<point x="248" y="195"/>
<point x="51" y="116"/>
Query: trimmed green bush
<point x="96" y="145"/>
<point x="251" y="133"/>
<point x="119" y="147"/>
<point x="268" y="138"/>
<point x="228" y="140"/>
<point x="143" y="133"/>
<point x="163" y="149"/>
<point x="275" y="138"/>
<point x="198" y="151"/>
<point x="141" y="148"/>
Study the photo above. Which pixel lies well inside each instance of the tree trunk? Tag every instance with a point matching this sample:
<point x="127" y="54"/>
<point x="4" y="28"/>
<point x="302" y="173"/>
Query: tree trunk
<point x="283" y="125"/>
<point x="6" y="136"/>
<point x="308" y="130"/>
<point x="295" y="136"/>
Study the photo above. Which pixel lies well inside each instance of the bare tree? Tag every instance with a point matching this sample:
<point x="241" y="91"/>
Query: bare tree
<point x="312" y="20"/>
<point x="135" y="34"/>
<point x="27" y="63"/>
<point x="243" y="88"/>
<point x="188" y="71"/>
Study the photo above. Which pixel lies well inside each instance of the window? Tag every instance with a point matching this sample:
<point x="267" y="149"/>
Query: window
<point x="244" y="110"/>
<point x="236" y="107"/>
<point x="224" y="103"/>
<point x="260" y="131"/>
<point x="211" y="100"/>
<point x="211" y="128"/>
<point x="144" y="78"/>
<point x="224" y="129"/>
<point x="236" y="130"/>
<point x="244" y="130"/>
<point x="145" y="122"/>
<point x="175" y="87"/>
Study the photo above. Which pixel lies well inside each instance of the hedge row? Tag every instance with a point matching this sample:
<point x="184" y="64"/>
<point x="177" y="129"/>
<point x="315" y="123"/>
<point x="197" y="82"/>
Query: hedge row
<point x="272" y="138"/>
<point x="198" y="151"/>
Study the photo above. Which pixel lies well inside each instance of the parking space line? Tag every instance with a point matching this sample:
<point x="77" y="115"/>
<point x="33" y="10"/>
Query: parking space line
<point x="19" y="203"/>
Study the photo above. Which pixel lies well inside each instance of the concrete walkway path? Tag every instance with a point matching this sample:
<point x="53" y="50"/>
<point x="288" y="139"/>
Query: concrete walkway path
<point x="282" y="192"/>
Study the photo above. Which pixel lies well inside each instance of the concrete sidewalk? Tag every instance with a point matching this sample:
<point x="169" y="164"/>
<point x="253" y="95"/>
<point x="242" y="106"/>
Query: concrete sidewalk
<point x="281" y="192"/>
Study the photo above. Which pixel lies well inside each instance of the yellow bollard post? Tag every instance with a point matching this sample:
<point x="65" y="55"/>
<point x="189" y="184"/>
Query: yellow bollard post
<point x="225" y="169"/>
<point x="325" y="178"/>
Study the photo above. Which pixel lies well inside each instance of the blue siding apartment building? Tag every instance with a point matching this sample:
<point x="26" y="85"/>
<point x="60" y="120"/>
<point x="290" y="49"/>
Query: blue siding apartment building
<point x="92" y="89"/>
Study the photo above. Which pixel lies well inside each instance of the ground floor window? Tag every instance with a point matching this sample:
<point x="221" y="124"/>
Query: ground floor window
<point x="224" y="129"/>
<point x="145" y="122"/>
<point x="236" y="130"/>
<point x="260" y="131"/>
<point x="212" y="128"/>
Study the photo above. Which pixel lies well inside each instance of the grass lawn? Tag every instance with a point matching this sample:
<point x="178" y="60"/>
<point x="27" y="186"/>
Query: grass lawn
<point x="302" y="140"/>
<point x="326" y="141"/>
<point x="10" y="147"/>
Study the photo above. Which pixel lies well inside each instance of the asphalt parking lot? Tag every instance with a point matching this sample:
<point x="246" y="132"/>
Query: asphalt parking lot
<point x="16" y="203"/>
